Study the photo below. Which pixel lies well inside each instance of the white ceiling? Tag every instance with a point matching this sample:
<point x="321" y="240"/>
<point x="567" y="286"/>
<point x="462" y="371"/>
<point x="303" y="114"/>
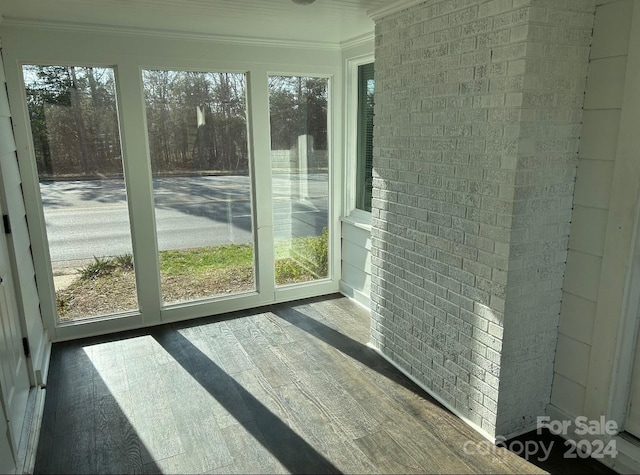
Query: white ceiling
<point x="325" y="21"/>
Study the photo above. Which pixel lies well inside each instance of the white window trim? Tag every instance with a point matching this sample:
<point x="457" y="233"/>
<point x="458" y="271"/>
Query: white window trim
<point x="359" y="218"/>
<point x="351" y="214"/>
<point x="128" y="54"/>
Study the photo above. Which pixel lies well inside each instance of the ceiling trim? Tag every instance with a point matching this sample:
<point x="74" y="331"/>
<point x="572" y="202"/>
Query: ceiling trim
<point x="394" y="7"/>
<point x="179" y="35"/>
<point x="358" y="40"/>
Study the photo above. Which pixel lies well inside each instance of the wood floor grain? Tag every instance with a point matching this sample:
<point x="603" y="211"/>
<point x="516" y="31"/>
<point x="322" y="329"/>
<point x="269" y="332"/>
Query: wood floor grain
<point x="285" y="389"/>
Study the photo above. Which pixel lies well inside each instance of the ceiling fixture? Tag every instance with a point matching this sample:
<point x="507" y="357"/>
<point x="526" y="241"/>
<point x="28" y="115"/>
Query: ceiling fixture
<point x="303" y="2"/>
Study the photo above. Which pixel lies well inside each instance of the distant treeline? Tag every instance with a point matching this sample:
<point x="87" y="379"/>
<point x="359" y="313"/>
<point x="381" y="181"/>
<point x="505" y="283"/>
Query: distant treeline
<point x="196" y="121"/>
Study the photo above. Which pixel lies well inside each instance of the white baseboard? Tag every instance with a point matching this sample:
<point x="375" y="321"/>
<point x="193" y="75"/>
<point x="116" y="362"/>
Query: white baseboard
<point x="519" y="432"/>
<point x="29" y="462"/>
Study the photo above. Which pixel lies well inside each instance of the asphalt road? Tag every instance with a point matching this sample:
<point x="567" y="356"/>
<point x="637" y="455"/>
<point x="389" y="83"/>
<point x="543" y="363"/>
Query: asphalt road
<point x="90" y="218"/>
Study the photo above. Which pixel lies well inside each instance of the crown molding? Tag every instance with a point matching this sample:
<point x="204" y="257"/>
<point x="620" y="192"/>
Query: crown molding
<point x="394" y="7"/>
<point x="358" y="40"/>
<point x="172" y="34"/>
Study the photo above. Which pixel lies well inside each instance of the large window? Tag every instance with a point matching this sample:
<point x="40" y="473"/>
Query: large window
<point x="74" y="123"/>
<point x="197" y="128"/>
<point x="364" y="176"/>
<point x="167" y="192"/>
<point x="300" y="173"/>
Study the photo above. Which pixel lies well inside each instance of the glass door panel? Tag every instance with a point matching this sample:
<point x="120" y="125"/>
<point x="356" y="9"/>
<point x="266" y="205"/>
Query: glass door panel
<point x="300" y="174"/>
<point x="74" y="124"/>
<point x="197" y="130"/>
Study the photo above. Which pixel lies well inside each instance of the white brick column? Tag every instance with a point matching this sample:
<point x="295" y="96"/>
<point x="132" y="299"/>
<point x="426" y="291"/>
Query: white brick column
<point x="478" y="111"/>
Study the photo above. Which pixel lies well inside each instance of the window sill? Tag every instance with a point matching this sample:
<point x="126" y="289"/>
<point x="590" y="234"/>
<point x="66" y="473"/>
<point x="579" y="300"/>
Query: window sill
<point x="358" y="218"/>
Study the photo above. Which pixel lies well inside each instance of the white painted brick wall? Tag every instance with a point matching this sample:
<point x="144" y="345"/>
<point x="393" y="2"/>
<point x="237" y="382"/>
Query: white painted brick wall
<point x="478" y="110"/>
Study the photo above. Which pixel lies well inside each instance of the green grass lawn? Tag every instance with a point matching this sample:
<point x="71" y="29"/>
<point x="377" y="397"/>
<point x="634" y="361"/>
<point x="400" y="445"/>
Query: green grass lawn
<point x="190" y="261"/>
<point x="107" y="285"/>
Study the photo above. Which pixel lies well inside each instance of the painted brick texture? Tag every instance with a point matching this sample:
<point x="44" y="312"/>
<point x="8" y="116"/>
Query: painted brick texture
<point x="478" y="112"/>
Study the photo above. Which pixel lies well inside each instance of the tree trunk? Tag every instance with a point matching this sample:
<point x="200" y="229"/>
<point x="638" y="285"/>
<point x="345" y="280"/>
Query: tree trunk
<point x="86" y="161"/>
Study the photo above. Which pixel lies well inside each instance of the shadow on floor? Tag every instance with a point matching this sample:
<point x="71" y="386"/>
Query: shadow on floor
<point x="560" y="460"/>
<point x="291" y="450"/>
<point x="557" y="461"/>
<point x="350" y="347"/>
<point x="85" y="426"/>
<point x="84" y="429"/>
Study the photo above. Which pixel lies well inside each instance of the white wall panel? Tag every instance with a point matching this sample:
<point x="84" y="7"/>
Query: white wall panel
<point x="578" y="315"/>
<point x="582" y="275"/>
<point x="572" y="359"/>
<point x="598" y="320"/>
<point x="588" y="226"/>
<point x="605" y="84"/>
<point x="599" y="138"/>
<point x="593" y="183"/>
<point x="611" y="30"/>
<point x="568" y="395"/>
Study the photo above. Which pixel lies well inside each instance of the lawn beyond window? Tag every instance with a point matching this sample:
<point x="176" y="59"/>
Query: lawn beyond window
<point x="106" y="285"/>
<point x="197" y="125"/>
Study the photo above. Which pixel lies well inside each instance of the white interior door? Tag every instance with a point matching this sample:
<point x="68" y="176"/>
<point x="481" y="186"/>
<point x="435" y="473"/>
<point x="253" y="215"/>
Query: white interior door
<point x="14" y="377"/>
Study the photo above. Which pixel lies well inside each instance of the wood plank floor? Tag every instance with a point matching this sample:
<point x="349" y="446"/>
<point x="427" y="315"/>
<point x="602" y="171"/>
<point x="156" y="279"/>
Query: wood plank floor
<point x="286" y="389"/>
